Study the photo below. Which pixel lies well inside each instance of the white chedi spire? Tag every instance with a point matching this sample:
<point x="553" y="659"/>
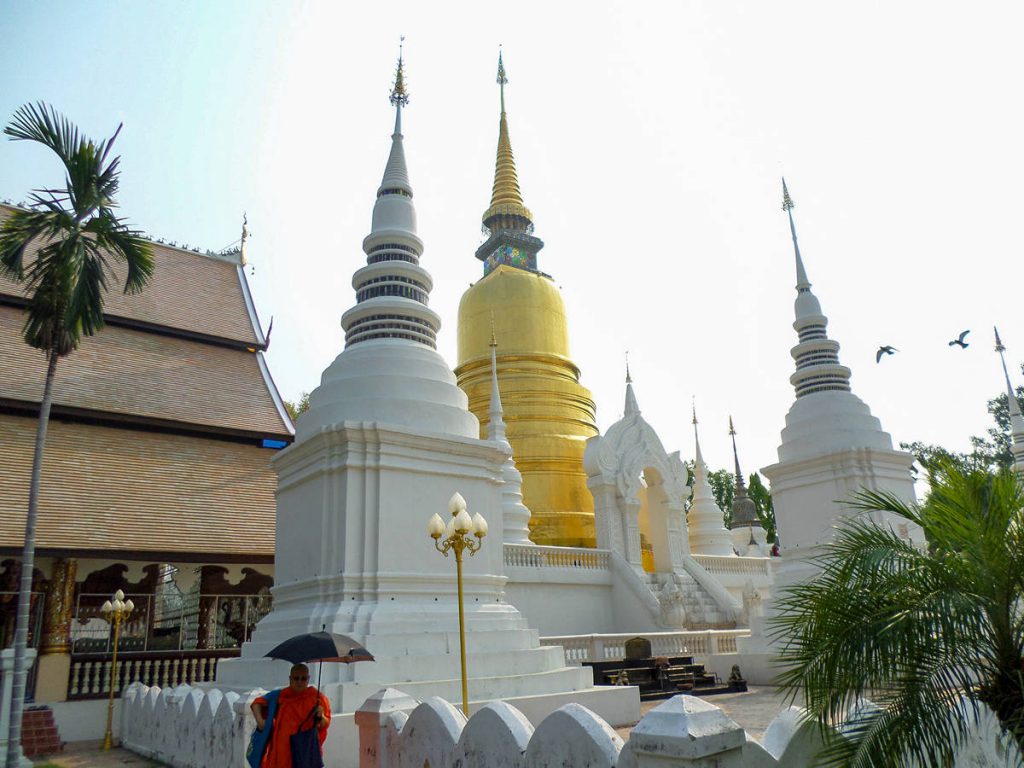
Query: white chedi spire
<point x="826" y="416"/>
<point x="515" y="514"/>
<point x="816" y="356"/>
<point x="392" y="290"/>
<point x="390" y="371"/>
<point x="1016" y="418"/>
<point x="705" y="519"/>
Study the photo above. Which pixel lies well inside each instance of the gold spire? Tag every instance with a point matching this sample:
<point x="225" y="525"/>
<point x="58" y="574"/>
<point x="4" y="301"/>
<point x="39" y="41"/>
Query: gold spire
<point x="506" y="199"/>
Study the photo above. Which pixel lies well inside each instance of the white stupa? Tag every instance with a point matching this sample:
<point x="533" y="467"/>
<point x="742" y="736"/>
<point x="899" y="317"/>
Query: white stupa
<point x="832" y="447"/>
<point x="1016" y="418"/>
<point x="387" y="440"/>
<point x="705" y="519"/>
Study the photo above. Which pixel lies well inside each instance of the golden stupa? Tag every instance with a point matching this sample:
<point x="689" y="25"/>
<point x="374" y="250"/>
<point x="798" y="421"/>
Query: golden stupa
<point x="548" y="413"/>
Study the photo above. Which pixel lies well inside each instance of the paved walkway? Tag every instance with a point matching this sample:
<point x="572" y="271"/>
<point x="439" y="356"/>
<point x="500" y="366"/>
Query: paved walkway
<point x="87" y="754"/>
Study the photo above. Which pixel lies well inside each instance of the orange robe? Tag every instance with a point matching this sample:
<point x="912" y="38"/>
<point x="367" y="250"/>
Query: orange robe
<point x="293" y="707"/>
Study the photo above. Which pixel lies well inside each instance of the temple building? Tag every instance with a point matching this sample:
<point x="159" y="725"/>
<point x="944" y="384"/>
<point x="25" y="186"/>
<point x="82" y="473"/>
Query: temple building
<point x="156" y="480"/>
<point x="549" y="414"/>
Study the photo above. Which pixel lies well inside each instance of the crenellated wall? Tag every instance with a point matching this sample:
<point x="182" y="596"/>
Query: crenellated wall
<point x="194" y="728"/>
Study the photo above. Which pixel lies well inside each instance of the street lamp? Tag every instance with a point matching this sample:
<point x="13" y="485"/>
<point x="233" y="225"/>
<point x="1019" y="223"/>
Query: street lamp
<point x="114" y="611"/>
<point x="455" y="536"/>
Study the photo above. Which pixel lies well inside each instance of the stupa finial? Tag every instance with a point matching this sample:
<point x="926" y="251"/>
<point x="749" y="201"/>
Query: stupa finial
<point x="506" y="199"/>
<point x="699" y="457"/>
<point x="495" y="413"/>
<point x="399" y="95"/>
<point x="802" y="283"/>
<point x="740" y="483"/>
<point x="502" y="79"/>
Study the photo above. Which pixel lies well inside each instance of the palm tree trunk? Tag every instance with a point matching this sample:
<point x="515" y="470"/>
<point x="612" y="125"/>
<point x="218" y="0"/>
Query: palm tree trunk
<point x="20" y="672"/>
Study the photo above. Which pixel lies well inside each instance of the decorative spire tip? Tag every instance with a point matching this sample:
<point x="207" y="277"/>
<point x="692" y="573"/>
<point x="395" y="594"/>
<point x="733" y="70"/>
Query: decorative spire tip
<point x="693" y="406"/>
<point x="399" y="95"/>
<point x="494" y="339"/>
<point x="787" y="201"/>
<point x="502" y="78"/>
<point x="732" y="429"/>
<point x="999" y="342"/>
<point x="629" y="379"/>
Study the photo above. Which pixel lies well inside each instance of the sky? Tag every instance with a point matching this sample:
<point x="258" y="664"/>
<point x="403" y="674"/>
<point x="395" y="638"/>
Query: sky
<point x="649" y="140"/>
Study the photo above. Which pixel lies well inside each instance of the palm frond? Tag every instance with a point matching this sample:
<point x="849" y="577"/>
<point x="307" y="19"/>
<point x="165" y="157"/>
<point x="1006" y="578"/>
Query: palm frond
<point x="915" y="630"/>
<point x="79" y="236"/>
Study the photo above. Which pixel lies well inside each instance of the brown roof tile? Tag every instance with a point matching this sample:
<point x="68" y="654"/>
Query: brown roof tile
<point x="122" y="489"/>
<point x="188" y="291"/>
<point x="136" y="373"/>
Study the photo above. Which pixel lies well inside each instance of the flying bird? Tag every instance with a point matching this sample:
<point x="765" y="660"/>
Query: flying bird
<point x="886" y="350"/>
<point x="959" y="341"/>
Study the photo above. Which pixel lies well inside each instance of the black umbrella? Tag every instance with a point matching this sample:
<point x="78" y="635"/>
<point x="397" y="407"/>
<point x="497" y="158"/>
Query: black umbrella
<point x="320" y="646"/>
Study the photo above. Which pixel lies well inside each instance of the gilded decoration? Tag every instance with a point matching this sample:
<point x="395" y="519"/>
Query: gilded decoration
<point x="56" y="636"/>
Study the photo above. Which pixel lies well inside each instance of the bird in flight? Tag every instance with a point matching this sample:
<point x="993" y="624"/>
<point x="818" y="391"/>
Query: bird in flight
<point x="886" y="350"/>
<point x="959" y="341"/>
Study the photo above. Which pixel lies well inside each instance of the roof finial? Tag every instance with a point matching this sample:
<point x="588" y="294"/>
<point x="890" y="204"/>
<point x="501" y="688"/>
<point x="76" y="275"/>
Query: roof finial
<point x="494" y="340"/>
<point x="693" y="406"/>
<point x="245" y="237"/>
<point x="502" y="78"/>
<point x="632" y="407"/>
<point x="802" y="283"/>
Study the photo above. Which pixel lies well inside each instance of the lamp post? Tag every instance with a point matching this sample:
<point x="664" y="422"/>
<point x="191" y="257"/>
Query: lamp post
<point x="115" y="611"/>
<point x="455" y="536"/>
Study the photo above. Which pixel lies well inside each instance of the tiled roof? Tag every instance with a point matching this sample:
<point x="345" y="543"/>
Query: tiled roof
<point x="147" y="375"/>
<point x="122" y="489"/>
<point x="188" y="291"/>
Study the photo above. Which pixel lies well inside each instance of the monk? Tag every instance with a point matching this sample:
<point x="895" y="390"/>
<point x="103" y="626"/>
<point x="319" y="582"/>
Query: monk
<point x="299" y="707"/>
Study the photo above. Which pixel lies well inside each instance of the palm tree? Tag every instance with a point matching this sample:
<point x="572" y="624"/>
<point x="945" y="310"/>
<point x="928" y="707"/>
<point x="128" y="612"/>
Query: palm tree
<point x="929" y="636"/>
<point x="79" y="239"/>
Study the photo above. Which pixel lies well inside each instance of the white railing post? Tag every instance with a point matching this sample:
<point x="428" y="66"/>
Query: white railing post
<point x="371" y="720"/>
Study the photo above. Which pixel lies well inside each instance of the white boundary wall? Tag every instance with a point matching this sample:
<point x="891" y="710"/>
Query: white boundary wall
<point x="189" y="727"/>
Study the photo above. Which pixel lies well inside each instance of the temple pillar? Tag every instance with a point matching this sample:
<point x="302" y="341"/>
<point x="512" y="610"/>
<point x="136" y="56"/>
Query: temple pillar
<point x="211" y="577"/>
<point x="55" y="643"/>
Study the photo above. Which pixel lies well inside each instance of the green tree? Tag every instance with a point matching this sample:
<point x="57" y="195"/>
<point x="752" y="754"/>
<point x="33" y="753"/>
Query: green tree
<point x="989" y="452"/>
<point x="916" y="631"/>
<point x="79" y="238"/>
<point x="299" y="407"/>
<point x="723" y="485"/>
<point x="762" y="499"/>
<point x="723" y="488"/>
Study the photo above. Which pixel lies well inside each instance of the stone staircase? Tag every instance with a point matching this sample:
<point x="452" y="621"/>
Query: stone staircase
<point x="685" y="602"/>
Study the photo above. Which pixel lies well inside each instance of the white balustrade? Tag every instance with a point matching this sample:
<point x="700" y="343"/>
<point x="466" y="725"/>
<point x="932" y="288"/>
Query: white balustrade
<point x="703" y="643"/>
<point x="532" y="556"/>
<point x="722" y="564"/>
